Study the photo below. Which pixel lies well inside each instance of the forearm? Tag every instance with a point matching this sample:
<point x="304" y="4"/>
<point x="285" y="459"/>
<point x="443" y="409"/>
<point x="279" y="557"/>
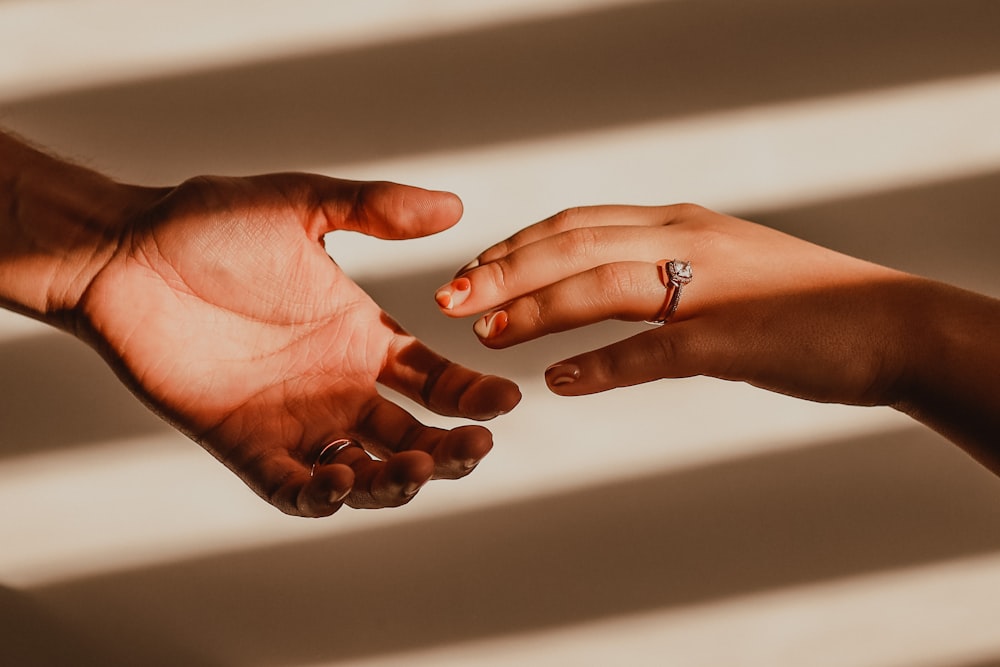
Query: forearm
<point x="59" y="223"/>
<point x="954" y="382"/>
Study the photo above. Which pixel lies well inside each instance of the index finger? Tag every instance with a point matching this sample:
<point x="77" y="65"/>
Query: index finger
<point x="570" y="219"/>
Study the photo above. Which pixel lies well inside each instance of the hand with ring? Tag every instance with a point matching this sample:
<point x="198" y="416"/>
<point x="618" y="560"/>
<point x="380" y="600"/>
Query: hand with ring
<point x="737" y="301"/>
<point x="216" y="302"/>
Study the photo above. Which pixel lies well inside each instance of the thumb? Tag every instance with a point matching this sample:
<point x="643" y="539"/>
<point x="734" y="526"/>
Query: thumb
<point x="671" y="351"/>
<point x="386" y="210"/>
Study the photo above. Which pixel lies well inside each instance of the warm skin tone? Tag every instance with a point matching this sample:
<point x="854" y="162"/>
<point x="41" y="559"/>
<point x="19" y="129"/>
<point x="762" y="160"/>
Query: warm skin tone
<point x="764" y="308"/>
<point x="217" y="304"/>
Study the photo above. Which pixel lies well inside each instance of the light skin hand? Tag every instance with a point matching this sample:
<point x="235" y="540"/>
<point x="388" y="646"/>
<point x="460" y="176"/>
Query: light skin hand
<point x="764" y="308"/>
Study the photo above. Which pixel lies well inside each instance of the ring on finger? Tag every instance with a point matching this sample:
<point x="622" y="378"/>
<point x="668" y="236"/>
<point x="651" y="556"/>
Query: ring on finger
<point x="674" y="274"/>
<point x="330" y="452"/>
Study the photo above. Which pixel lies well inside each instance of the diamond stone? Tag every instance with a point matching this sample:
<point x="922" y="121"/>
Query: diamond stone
<point x="680" y="271"/>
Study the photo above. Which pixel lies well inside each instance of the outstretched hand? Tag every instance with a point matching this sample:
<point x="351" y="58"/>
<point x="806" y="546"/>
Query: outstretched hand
<point x="763" y="307"/>
<point x="222" y="310"/>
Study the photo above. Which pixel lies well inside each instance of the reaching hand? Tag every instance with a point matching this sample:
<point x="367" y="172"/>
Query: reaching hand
<point x="763" y="307"/>
<point x="222" y="310"/>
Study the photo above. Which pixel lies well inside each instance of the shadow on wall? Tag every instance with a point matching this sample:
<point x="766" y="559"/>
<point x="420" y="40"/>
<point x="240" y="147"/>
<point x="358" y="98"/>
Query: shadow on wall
<point x="57" y="393"/>
<point x="652" y="542"/>
<point x="616" y="66"/>
<point x="33" y="638"/>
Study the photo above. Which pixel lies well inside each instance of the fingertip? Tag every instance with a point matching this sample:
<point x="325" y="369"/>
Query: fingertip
<point x="472" y="444"/>
<point x="451" y="204"/>
<point x="509" y="395"/>
<point x="572" y="378"/>
<point x="326" y="490"/>
<point x="461" y="450"/>
<point x="438" y="209"/>
<point x="410" y="465"/>
<point x="454" y="294"/>
<point x="561" y="374"/>
<point x="409" y="471"/>
<point x="489" y="396"/>
<point x="390" y="210"/>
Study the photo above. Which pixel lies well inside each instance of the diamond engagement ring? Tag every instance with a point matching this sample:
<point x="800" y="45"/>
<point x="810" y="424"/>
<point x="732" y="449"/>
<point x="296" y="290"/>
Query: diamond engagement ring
<point x="674" y="274"/>
<point x="330" y="451"/>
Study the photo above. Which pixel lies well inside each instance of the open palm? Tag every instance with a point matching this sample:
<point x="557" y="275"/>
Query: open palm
<point x="223" y="311"/>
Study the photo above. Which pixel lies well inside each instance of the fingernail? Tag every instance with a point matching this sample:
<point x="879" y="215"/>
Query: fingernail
<point x="491" y="324"/>
<point x="411" y="489"/>
<point x="337" y="496"/>
<point x="468" y="267"/>
<point x="454" y="293"/>
<point x="560" y="374"/>
<point x="469" y="464"/>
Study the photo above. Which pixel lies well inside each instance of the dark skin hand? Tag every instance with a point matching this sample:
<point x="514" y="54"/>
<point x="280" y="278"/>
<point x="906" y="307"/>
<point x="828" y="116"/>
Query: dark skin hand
<point x="222" y="310"/>
<point x="216" y="302"/>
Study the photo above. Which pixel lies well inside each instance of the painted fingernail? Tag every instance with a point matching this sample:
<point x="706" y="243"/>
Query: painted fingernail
<point x="561" y="374"/>
<point x="454" y="293"/>
<point x="468" y="267"/>
<point x="491" y="324"/>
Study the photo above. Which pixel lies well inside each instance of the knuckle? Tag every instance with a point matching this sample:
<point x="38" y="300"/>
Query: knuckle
<point x="616" y="281"/>
<point x="533" y="309"/>
<point x="566" y="219"/>
<point x="689" y="210"/>
<point x="578" y="243"/>
<point x="665" y="350"/>
<point x="360" y="203"/>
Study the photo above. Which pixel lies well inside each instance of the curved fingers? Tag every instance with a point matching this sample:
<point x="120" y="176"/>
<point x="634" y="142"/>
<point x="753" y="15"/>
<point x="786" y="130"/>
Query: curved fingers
<point x="388" y="429"/>
<point x="389" y="483"/>
<point x="291" y="486"/>
<point x="447" y="388"/>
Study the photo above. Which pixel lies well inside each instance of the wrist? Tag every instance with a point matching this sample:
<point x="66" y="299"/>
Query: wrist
<point x="59" y="225"/>
<point x="953" y="368"/>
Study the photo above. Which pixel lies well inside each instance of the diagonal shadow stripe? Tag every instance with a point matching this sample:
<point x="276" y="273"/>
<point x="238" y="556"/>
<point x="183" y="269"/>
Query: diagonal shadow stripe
<point x="612" y="67"/>
<point x="31" y="638"/>
<point x="652" y="542"/>
<point x="55" y="393"/>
